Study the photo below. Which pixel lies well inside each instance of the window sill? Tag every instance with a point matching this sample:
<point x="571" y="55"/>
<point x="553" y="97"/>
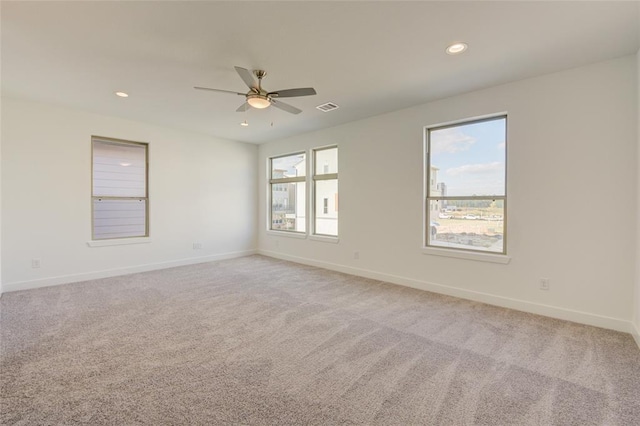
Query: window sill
<point x="481" y="257"/>
<point x="118" y="242"/>
<point x="324" y="239"/>
<point x="288" y="234"/>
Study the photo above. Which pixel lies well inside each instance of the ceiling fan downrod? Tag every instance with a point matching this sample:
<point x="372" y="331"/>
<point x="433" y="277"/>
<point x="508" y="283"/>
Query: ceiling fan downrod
<point x="260" y="74"/>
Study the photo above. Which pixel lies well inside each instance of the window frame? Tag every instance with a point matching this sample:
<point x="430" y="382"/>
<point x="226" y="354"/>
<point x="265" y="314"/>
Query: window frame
<point x="295" y="179"/>
<point x="427" y="196"/>
<point x="115" y="141"/>
<point x="318" y="177"/>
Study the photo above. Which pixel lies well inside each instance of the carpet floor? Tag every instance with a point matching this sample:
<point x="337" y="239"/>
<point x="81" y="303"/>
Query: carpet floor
<point x="260" y="341"/>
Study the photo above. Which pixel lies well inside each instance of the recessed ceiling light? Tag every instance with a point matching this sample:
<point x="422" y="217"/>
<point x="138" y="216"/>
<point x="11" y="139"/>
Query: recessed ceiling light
<point x="456" y="48"/>
<point x="244" y="123"/>
<point x="122" y="94"/>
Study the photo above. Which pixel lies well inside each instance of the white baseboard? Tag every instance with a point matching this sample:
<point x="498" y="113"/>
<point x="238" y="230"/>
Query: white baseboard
<point x="635" y="332"/>
<point x="66" y="279"/>
<point x="505" y="302"/>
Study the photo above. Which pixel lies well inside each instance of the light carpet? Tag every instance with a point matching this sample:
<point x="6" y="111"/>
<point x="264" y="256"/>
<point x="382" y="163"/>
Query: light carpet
<point x="260" y="341"/>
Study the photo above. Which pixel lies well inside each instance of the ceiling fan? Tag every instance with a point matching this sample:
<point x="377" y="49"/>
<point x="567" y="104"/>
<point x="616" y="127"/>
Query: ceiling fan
<point x="259" y="98"/>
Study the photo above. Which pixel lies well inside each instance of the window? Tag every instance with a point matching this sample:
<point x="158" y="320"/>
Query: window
<point x="325" y="189"/>
<point x="288" y="193"/>
<point x="119" y="189"/>
<point x="466" y="203"/>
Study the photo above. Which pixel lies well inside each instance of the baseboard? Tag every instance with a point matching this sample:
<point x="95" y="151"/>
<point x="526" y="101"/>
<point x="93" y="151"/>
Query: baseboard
<point x="505" y="302"/>
<point x="635" y="332"/>
<point x="66" y="279"/>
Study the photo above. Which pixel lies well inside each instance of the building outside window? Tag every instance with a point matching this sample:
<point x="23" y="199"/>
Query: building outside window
<point x="120" y="203"/>
<point x="287" y="182"/>
<point x="325" y="188"/>
<point x="466" y="202"/>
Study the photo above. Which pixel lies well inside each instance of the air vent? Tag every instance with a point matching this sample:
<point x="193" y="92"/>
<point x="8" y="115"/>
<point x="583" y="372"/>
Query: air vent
<point x="329" y="106"/>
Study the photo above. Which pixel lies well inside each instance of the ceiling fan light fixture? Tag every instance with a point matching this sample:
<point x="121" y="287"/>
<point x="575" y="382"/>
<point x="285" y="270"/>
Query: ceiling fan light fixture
<point x="258" y="101"/>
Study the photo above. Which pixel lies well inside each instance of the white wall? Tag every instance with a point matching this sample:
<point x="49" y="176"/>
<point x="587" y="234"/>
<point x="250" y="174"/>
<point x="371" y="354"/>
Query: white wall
<point x="201" y="190"/>
<point x="571" y="175"/>
<point x="1" y="288"/>
<point x="637" y="286"/>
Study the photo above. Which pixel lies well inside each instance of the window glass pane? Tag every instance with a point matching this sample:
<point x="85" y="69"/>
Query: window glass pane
<point x="119" y="218"/>
<point x="326" y="192"/>
<point x="467" y="224"/>
<point x="288" y="206"/>
<point x="289" y="166"/>
<point x="119" y="170"/>
<point x="468" y="159"/>
<point x="327" y="161"/>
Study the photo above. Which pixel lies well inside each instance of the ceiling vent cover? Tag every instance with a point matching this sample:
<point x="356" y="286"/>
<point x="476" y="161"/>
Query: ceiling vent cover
<point x="329" y="106"/>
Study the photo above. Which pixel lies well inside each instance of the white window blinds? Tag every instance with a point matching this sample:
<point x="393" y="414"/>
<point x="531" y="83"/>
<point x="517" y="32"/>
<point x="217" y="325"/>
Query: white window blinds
<point x="120" y="204"/>
<point x="119" y="170"/>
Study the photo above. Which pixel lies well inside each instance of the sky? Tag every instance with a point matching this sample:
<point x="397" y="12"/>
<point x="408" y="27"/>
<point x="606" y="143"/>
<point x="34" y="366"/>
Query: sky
<point x="325" y="156"/>
<point x="288" y="163"/>
<point x="471" y="157"/>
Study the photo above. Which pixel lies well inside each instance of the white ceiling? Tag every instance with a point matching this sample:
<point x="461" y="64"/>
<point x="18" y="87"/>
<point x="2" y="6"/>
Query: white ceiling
<point x="368" y="57"/>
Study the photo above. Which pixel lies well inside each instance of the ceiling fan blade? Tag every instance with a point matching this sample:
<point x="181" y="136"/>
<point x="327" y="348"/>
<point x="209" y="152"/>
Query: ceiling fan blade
<point x="242" y="108"/>
<point x="291" y="93"/>
<point x="219" y="90"/>
<point x="285" y="107"/>
<point x="247" y="77"/>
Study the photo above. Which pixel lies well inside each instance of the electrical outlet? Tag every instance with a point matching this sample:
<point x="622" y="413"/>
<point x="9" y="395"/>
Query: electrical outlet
<point x="35" y="263"/>
<point x="544" y="284"/>
<point x="197" y="246"/>
<point x="356" y="255"/>
<point x="277" y="243"/>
